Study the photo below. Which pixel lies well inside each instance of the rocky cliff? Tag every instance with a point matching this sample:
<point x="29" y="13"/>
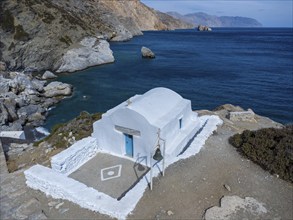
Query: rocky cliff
<point x="201" y="18"/>
<point x="49" y="34"/>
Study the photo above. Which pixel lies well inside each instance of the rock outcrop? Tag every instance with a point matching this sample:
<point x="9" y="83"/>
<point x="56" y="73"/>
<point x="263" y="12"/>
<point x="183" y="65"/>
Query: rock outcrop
<point x="203" y="28"/>
<point x="41" y="35"/>
<point x="91" y="52"/>
<point x="24" y="100"/>
<point x="48" y="75"/>
<point x="147" y="53"/>
<point x="57" y="89"/>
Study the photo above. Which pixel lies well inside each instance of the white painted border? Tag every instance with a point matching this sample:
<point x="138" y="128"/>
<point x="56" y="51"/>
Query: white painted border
<point x="112" y="177"/>
<point x="13" y="134"/>
<point x="69" y="160"/>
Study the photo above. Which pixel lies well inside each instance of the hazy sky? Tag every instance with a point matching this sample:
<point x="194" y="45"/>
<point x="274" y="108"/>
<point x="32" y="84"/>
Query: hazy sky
<point x="276" y="13"/>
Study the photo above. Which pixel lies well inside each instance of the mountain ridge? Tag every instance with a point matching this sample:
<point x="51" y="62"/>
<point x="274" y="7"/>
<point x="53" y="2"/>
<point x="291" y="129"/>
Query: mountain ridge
<point x="201" y="18"/>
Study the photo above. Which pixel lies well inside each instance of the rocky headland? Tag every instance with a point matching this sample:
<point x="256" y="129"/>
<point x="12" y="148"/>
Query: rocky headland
<point x="65" y="36"/>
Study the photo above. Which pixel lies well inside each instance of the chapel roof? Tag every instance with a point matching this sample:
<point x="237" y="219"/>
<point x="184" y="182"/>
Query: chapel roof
<point x="157" y="105"/>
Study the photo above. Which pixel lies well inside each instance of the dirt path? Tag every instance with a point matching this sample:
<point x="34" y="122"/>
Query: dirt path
<point x="191" y="186"/>
<point x="188" y="188"/>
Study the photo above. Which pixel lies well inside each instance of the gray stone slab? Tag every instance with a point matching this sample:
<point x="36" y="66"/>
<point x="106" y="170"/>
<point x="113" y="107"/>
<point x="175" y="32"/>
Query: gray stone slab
<point x="111" y="175"/>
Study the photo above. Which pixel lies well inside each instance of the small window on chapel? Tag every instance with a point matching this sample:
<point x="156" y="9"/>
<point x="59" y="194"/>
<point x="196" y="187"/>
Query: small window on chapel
<point x="180" y="123"/>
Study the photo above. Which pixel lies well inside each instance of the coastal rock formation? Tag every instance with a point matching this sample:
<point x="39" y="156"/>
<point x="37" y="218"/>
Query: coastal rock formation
<point x="203" y="28"/>
<point x="39" y="35"/>
<point x="147" y="53"/>
<point x="57" y="89"/>
<point x="24" y="100"/>
<point x="90" y="52"/>
<point x="215" y="21"/>
<point x="48" y="75"/>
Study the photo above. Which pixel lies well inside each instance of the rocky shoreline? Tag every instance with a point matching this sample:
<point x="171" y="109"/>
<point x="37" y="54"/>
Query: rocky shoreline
<point x="63" y="36"/>
<point x="25" y="100"/>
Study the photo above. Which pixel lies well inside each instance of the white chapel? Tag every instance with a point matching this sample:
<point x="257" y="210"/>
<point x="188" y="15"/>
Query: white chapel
<point x="160" y="118"/>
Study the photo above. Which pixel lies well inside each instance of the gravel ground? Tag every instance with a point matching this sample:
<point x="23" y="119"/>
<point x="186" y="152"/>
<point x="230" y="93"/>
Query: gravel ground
<point x="187" y="190"/>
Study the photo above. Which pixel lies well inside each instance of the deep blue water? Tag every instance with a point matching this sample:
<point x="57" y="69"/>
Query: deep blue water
<point x="252" y="68"/>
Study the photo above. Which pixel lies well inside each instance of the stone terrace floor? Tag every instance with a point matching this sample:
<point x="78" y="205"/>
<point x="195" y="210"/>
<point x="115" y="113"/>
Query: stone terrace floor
<point x="111" y="175"/>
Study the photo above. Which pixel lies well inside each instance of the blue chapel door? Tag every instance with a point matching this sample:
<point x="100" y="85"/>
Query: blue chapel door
<point x="129" y="145"/>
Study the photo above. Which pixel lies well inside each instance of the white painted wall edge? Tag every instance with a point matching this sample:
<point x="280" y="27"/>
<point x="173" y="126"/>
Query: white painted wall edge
<point x="75" y="156"/>
<point x="13" y="134"/>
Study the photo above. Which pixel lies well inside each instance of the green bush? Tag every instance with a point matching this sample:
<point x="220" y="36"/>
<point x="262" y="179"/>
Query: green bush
<point x="271" y="148"/>
<point x="80" y="127"/>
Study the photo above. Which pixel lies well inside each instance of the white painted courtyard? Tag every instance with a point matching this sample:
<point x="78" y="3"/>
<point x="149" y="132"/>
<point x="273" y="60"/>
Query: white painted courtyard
<point x="109" y="171"/>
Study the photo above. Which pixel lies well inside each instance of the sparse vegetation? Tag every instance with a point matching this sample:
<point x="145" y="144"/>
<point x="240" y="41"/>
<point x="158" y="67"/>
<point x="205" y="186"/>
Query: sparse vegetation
<point x="72" y="20"/>
<point x="79" y="128"/>
<point x="67" y="40"/>
<point x="7" y="21"/>
<point x="48" y="18"/>
<point x="271" y="148"/>
<point x="20" y="34"/>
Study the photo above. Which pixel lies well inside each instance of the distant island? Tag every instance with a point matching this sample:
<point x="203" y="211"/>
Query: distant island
<point x="200" y="18"/>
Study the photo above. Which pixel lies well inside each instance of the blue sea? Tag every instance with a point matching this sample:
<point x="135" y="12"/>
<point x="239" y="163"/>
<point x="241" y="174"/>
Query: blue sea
<point x="250" y="67"/>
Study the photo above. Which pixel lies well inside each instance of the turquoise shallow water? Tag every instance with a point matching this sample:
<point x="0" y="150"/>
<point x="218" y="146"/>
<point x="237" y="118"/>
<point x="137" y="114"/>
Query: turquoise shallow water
<point x="252" y="68"/>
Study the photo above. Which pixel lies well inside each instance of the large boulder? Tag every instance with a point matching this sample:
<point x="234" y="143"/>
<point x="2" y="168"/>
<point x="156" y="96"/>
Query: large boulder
<point x="26" y="111"/>
<point x="90" y="52"/>
<point x="20" y="82"/>
<point x="22" y="100"/>
<point x="36" y="119"/>
<point x="147" y="53"/>
<point x="48" y="75"/>
<point x="57" y="89"/>
<point x="16" y="125"/>
<point x="49" y="102"/>
<point x="38" y="85"/>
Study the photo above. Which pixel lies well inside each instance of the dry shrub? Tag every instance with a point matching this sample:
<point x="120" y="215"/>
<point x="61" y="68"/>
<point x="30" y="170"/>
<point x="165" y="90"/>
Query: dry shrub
<point x="271" y="148"/>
